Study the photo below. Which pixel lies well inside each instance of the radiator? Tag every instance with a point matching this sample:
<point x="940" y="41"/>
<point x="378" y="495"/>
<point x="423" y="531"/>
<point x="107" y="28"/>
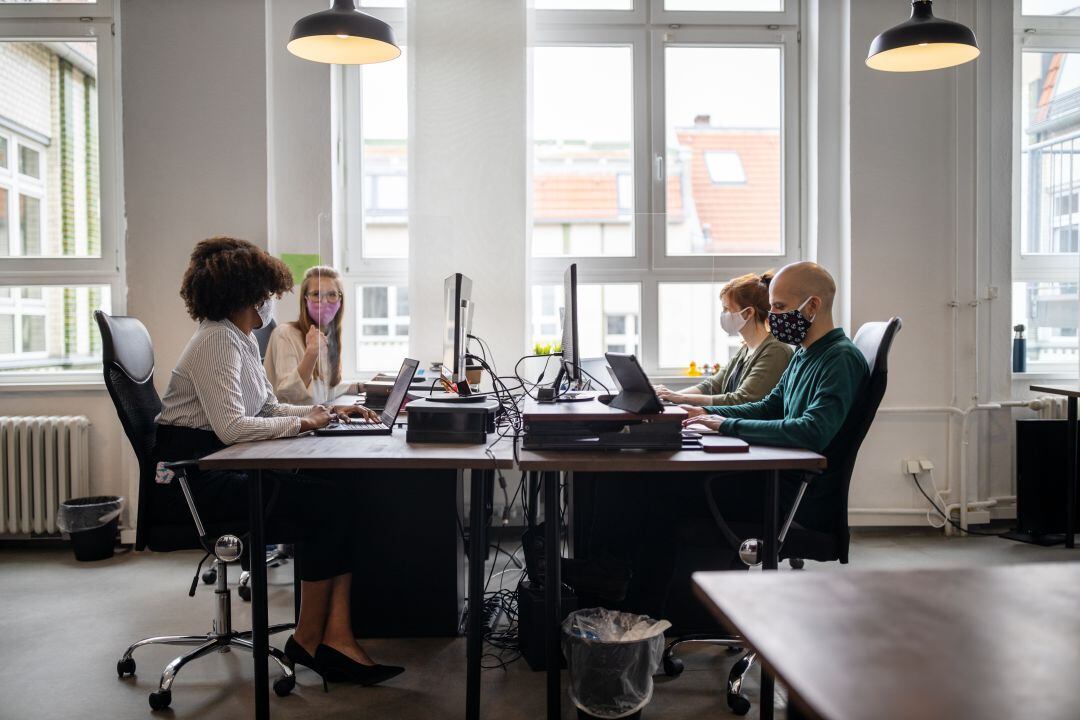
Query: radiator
<point x="43" y="461"/>
<point x="1052" y="408"/>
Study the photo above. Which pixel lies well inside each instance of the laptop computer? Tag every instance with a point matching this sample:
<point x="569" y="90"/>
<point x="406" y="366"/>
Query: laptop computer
<point x="385" y="426"/>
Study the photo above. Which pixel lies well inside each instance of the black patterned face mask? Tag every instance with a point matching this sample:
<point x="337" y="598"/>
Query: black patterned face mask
<point x="790" y="327"/>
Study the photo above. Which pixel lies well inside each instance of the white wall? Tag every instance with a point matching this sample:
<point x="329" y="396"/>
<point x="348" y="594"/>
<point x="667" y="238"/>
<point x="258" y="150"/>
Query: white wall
<point x="467" y="164"/>
<point x="922" y="234"/>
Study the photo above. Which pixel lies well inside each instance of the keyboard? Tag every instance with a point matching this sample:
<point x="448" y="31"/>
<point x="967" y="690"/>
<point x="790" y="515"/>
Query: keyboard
<point x="355" y="428"/>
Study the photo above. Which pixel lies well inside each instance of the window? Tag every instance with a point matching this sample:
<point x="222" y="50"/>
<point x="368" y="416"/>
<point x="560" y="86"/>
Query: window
<point x="59" y="209"/>
<point x="1050" y="7"/>
<point x="725" y="5"/>
<point x="608" y="317"/>
<point x="384" y="124"/>
<point x="50" y="329"/>
<point x="693" y="305"/>
<point x="382" y="326"/>
<point x="676" y="170"/>
<point x="582" y="160"/>
<point x="373" y="182"/>
<point x="584" y="4"/>
<point x="1046" y="268"/>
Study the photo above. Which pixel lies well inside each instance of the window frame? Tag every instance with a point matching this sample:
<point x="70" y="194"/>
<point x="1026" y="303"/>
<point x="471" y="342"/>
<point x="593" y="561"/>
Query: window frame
<point x="1043" y="34"/>
<point x="348" y="193"/>
<point x="650" y="266"/>
<point x="75" y="22"/>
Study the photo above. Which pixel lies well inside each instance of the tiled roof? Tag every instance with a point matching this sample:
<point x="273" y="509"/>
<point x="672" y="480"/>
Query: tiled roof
<point x="743" y="217"/>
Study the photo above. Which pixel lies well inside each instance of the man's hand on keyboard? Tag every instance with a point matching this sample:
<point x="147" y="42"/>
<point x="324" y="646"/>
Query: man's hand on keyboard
<point x="343" y="412"/>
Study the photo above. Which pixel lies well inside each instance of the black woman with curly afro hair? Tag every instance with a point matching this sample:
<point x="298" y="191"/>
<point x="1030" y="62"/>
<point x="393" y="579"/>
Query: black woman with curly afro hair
<point x="219" y="395"/>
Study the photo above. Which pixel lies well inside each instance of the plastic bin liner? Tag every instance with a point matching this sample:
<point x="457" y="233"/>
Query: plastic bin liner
<point x="612" y="657"/>
<point x="89" y="513"/>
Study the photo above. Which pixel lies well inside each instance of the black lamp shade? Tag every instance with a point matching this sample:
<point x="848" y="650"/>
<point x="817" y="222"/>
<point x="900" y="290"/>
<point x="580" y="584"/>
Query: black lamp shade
<point x="343" y="35"/>
<point x="923" y="42"/>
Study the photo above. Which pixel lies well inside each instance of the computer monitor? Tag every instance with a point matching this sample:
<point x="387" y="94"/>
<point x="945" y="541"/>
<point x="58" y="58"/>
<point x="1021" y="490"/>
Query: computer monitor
<point x="571" y="354"/>
<point x="458" y="321"/>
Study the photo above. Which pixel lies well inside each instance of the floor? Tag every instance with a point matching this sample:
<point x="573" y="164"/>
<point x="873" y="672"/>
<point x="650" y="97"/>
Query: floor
<point x="64" y="624"/>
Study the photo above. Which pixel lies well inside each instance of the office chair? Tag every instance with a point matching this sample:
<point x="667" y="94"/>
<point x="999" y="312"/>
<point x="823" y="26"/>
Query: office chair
<point x="281" y="553"/>
<point x="128" y="364"/>
<point x="797" y="544"/>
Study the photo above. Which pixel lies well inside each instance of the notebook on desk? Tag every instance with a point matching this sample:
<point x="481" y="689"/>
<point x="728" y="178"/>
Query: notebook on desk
<point x="385" y="426"/>
<point x="723" y="444"/>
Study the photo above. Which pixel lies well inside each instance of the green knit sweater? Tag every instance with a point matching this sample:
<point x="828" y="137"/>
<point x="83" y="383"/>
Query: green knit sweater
<point x="808" y="406"/>
<point x="761" y="371"/>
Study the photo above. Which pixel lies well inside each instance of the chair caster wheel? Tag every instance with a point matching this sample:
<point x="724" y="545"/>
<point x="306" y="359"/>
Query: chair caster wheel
<point x="284" y="685"/>
<point x="244" y="591"/>
<point x="796" y="563"/>
<point x="125" y="666"/>
<point x="673" y="666"/>
<point x="209" y="576"/>
<point x="160" y="700"/>
<point x="738" y="704"/>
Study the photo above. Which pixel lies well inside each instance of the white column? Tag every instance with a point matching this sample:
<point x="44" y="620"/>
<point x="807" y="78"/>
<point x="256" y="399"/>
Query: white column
<point x="467" y="168"/>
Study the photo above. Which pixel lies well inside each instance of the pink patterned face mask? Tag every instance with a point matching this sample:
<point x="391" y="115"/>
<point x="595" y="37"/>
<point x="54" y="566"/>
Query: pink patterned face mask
<point x="322" y="313"/>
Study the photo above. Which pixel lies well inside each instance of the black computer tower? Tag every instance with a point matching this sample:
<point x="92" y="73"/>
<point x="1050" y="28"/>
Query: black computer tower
<point x="1040" y="481"/>
<point x="409" y="578"/>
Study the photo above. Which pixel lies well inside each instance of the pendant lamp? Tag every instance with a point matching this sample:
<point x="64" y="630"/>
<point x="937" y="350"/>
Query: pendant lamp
<point x="343" y="35"/>
<point x="923" y="42"/>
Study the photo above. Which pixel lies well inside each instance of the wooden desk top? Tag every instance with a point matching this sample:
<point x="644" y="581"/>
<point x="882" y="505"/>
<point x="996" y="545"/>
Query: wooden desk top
<point x="759" y="458"/>
<point x="992" y="643"/>
<point x="591" y="410"/>
<point x="1067" y="389"/>
<point x="312" y="452"/>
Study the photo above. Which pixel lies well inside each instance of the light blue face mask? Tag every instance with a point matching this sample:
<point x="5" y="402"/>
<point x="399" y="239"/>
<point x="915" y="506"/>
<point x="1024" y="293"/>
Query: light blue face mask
<point x="266" y="310"/>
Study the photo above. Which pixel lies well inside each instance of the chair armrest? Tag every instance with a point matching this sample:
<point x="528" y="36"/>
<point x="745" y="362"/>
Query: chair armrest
<point x="180" y="463"/>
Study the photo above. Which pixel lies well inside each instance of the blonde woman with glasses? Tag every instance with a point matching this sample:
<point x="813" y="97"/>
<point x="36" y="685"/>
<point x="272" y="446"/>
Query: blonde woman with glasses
<point x="303" y="357"/>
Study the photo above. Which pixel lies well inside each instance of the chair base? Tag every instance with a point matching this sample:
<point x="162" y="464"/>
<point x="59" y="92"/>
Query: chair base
<point x="222" y="638"/>
<point x="736" y="700"/>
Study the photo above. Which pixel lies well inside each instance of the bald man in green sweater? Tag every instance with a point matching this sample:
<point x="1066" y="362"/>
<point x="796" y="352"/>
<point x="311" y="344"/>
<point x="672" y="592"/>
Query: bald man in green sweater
<point x="809" y="405"/>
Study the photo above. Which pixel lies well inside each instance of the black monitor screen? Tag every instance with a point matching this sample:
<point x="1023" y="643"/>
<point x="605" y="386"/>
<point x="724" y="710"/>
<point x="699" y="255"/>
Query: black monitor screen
<point x="570" y="351"/>
<point x="457" y="290"/>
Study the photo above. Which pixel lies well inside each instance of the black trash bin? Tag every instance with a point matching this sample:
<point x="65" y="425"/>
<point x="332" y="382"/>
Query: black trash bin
<point x="92" y="523"/>
<point x="611" y="658"/>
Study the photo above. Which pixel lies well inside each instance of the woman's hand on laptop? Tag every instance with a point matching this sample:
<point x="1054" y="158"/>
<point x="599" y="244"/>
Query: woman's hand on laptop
<point x="356" y="411"/>
<point x="316" y="417"/>
<point x="692" y="411"/>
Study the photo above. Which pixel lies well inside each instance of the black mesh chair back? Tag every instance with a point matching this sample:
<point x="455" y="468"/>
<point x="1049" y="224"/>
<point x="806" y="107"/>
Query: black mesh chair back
<point x="127" y="357"/>
<point x="262" y="335"/>
<point x="874" y="340"/>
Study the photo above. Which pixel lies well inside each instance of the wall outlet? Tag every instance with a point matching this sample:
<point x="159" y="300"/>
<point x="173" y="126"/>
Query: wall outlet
<point x="910" y="467"/>
<point x="926" y="465"/>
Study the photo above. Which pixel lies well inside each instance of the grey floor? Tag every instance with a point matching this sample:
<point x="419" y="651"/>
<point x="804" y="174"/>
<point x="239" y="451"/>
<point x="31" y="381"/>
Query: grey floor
<point x="64" y="624"/>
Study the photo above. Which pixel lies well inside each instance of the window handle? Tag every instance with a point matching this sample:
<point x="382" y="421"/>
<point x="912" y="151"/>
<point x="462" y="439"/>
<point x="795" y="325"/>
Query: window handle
<point x="658" y="164"/>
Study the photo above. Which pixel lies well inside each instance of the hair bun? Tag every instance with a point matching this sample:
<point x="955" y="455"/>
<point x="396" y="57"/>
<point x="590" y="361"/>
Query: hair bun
<point x="766" y="277"/>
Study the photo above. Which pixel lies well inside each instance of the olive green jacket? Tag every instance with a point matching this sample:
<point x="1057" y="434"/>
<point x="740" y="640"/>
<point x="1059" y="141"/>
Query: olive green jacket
<point x="761" y="372"/>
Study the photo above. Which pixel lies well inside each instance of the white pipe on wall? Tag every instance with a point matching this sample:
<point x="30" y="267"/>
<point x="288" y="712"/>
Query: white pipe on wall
<point x="964" y="504"/>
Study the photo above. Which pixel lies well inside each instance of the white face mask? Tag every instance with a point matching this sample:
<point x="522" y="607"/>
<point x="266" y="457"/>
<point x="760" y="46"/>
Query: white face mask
<point x="266" y="310"/>
<point x="733" y="322"/>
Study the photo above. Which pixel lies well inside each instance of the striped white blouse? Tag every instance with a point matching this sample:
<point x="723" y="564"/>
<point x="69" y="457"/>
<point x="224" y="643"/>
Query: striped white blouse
<point x="219" y="384"/>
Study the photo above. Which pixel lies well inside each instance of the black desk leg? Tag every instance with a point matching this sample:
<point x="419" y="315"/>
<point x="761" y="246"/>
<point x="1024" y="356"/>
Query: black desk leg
<point x="259" y="637"/>
<point x="552" y="596"/>
<point x="1071" y="478"/>
<point x="474" y="643"/>
<point x="296" y="586"/>
<point x="770" y="561"/>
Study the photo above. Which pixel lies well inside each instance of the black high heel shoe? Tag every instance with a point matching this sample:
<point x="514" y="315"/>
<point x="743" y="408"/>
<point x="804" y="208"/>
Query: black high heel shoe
<point x="299" y="656"/>
<point x="338" y="667"/>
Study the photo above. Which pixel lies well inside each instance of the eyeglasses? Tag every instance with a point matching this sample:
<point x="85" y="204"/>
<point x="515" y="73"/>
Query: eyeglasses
<point x="329" y="296"/>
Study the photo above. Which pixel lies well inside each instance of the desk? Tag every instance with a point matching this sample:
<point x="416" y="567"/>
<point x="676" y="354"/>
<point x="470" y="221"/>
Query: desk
<point x="992" y="643"/>
<point x="1072" y="392"/>
<point x="377" y="452"/>
<point x="765" y="459"/>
